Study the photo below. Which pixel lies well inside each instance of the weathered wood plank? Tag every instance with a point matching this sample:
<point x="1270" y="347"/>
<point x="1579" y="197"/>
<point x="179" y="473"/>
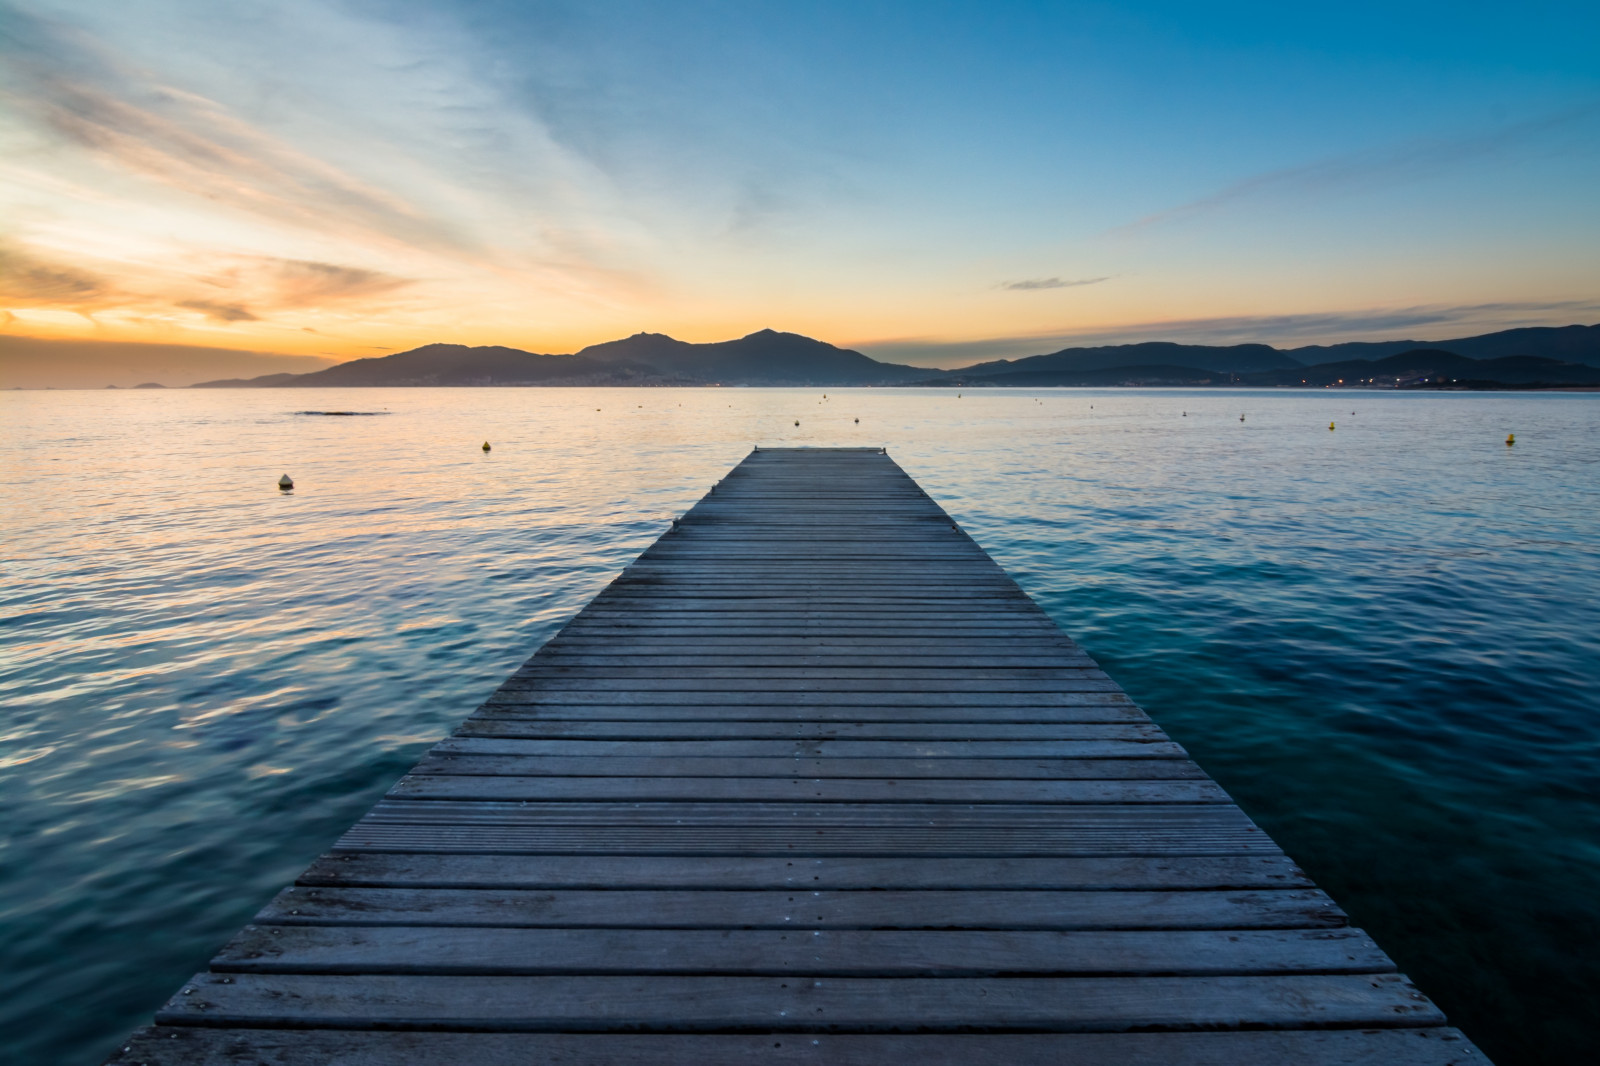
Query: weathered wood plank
<point x="969" y="842"/>
<point x="974" y="688"/>
<point x="822" y="790"/>
<point x="973" y="702"/>
<point x="810" y="767"/>
<point x="742" y="729"/>
<point x="812" y="715"/>
<point x="621" y="663"/>
<point x="1298" y="908"/>
<point x="1199" y="818"/>
<point x="385" y="870"/>
<point x="770" y="1004"/>
<point x="548" y="672"/>
<point x="188" y="1046"/>
<point x="482" y="951"/>
<point x="817" y="747"/>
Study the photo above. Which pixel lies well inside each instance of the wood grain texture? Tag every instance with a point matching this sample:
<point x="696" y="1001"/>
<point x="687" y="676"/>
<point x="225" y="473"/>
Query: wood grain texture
<point x="811" y="781"/>
<point x="174" y="1046"/>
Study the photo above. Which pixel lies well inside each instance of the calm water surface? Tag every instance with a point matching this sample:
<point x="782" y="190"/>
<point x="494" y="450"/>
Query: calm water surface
<point x="1384" y="640"/>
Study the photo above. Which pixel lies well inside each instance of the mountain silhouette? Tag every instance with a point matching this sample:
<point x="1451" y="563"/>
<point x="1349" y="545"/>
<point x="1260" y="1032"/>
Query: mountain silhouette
<point x="763" y="358"/>
<point x="1567" y="355"/>
<point x="1234" y="358"/>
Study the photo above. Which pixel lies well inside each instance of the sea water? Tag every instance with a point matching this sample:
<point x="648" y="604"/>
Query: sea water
<point x="1382" y="638"/>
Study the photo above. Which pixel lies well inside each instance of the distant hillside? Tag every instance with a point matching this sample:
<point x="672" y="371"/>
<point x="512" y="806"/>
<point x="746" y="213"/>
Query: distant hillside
<point x="1101" y="378"/>
<point x="1573" y="344"/>
<point x="457" y="364"/>
<point x="265" y="381"/>
<point x="1070" y="364"/>
<point x="764" y="358"/>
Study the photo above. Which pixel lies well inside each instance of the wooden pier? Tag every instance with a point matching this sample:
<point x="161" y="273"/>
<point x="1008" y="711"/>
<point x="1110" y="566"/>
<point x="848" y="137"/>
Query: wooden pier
<point x="812" y="781"/>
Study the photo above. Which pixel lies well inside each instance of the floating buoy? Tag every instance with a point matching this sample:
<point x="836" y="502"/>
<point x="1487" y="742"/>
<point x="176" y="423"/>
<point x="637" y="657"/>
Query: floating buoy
<point x="858" y="421"/>
<point x="1330" y="425"/>
<point x="797" y="421"/>
<point x="1241" y="418"/>
<point x="1186" y="414"/>
<point x="285" y="483"/>
<point x="1511" y="438"/>
<point x="485" y="445"/>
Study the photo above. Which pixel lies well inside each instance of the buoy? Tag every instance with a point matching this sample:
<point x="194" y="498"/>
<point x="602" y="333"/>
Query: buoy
<point x="1330" y="425"/>
<point x="485" y="445"/>
<point x="797" y="421"/>
<point x="285" y="483"/>
<point x="858" y="421"/>
<point x="1186" y="414"/>
<point x="1511" y="438"/>
<point x="1241" y="418"/>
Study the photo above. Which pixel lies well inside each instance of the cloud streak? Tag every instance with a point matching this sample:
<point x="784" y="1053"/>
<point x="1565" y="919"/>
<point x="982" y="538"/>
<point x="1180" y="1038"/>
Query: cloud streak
<point x="1049" y="283"/>
<point x="1391" y="165"/>
<point x="29" y="281"/>
<point x="218" y="312"/>
<point x="72" y="88"/>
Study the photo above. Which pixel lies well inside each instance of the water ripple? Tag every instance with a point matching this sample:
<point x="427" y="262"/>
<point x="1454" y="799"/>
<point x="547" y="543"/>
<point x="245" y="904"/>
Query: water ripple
<point x="1385" y="642"/>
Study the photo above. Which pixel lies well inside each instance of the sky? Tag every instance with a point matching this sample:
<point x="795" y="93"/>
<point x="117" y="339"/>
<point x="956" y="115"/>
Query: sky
<point x="928" y="182"/>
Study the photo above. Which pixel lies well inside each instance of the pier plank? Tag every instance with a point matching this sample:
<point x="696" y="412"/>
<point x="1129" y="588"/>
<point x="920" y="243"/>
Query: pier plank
<point x="812" y="780"/>
<point x="573" y="1002"/>
<point x="183" y="1046"/>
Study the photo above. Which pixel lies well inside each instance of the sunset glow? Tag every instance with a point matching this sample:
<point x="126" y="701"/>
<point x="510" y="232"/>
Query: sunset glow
<point x="335" y="180"/>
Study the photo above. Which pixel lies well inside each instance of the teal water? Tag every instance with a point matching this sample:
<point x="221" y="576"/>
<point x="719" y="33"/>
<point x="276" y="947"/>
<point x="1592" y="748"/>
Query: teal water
<point x="1384" y="640"/>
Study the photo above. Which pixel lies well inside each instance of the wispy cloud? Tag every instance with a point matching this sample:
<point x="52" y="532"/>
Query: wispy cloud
<point x="1317" y="327"/>
<point x="1049" y="283"/>
<point x="218" y="312"/>
<point x="304" y="282"/>
<point x="256" y="287"/>
<point x="131" y="120"/>
<point x="1389" y="165"/>
<point x="26" y="280"/>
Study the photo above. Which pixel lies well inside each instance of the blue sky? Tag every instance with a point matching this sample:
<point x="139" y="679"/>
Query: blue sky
<point x="929" y="182"/>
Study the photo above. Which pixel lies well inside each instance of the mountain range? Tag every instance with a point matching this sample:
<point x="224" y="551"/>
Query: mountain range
<point x="1567" y="355"/>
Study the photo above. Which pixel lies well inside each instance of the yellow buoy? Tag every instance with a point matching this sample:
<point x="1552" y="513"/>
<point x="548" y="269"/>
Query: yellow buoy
<point x="1330" y="425"/>
<point x="797" y="421"/>
<point x="1511" y="438"/>
<point x="285" y="483"/>
<point x="485" y="445"/>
